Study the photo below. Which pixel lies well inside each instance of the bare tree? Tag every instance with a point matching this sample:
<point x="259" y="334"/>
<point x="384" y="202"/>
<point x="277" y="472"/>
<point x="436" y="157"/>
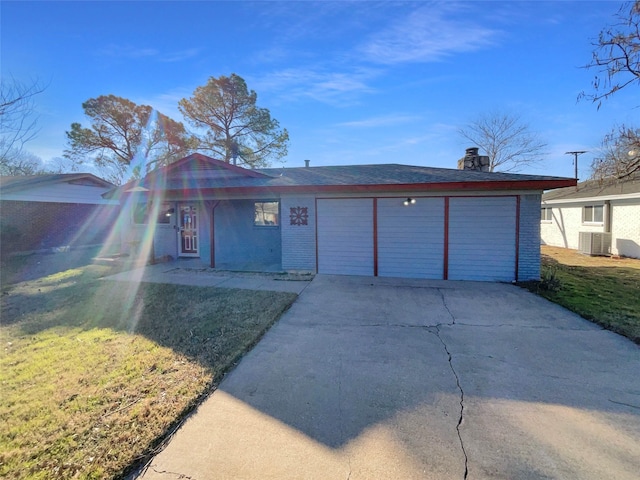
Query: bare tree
<point x="620" y="154"/>
<point x="617" y="54"/>
<point x="18" y="119"/>
<point x="617" y="59"/>
<point x="508" y="142"/>
<point x="22" y="163"/>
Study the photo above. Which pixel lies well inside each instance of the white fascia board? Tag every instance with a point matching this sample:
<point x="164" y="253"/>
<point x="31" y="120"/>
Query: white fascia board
<point x="602" y="198"/>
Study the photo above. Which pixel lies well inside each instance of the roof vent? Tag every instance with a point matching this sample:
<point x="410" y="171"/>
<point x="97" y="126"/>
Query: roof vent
<point x="306" y="163"/>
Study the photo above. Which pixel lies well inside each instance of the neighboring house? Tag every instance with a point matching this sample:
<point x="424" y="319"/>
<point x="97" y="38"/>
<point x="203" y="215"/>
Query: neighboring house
<point x="604" y="214"/>
<point x="50" y="211"/>
<point x="378" y="220"/>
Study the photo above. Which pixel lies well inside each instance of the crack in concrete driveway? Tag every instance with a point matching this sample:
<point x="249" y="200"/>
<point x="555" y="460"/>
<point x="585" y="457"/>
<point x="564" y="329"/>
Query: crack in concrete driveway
<point x="352" y="383"/>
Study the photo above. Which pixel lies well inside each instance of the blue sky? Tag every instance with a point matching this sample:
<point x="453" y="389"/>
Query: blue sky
<point x="353" y="82"/>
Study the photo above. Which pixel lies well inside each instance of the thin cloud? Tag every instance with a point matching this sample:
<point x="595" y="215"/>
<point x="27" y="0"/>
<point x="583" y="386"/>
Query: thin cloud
<point x="179" y="55"/>
<point x="427" y="34"/>
<point x="130" y="52"/>
<point x="336" y="88"/>
<point x="167" y="102"/>
<point x="380" y="121"/>
<point x="127" y="51"/>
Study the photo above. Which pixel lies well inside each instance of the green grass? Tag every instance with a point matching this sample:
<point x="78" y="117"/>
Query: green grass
<point x="598" y="289"/>
<point x="94" y="373"/>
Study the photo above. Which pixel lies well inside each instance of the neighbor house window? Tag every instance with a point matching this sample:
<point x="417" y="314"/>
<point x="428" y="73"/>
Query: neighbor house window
<point x="546" y="214"/>
<point x="593" y="214"/>
<point x="143" y="210"/>
<point x="266" y="214"/>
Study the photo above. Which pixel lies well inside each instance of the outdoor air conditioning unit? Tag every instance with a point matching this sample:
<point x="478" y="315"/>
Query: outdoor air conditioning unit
<point x="594" y="243"/>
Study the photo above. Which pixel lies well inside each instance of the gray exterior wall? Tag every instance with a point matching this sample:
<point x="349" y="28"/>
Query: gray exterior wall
<point x="529" y="239"/>
<point x="291" y="246"/>
<point x="238" y="241"/>
<point x="298" y="241"/>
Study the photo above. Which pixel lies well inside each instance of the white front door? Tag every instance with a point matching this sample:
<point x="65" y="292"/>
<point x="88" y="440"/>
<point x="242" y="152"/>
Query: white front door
<point x="188" y="219"/>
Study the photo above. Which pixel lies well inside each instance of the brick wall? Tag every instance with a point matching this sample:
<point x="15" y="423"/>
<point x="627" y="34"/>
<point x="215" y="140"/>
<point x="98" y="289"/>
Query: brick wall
<point x="298" y="241"/>
<point x="26" y="226"/>
<point x="529" y="239"/>
<point x="563" y="230"/>
<point x="625" y="228"/>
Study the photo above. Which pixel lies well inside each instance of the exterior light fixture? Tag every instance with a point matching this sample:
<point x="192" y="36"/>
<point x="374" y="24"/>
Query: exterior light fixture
<point x="409" y="201"/>
<point x="170" y="211"/>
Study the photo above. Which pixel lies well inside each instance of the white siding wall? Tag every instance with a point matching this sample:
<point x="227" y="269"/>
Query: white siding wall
<point x="625" y="228"/>
<point x="411" y="238"/>
<point x="345" y="236"/>
<point x="482" y="238"/>
<point x="529" y="243"/>
<point x="563" y="230"/>
<point x="62" y="193"/>
<point x="298" y="241"/>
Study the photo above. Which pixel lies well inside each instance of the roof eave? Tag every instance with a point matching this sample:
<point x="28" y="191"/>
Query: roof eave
<point x="494" y="185"/>
<point x="593" y="198"/>
<point x="38" y="180"/>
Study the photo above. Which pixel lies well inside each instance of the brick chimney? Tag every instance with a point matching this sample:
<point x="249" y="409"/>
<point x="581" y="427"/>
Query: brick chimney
<point x="473" y="161"/>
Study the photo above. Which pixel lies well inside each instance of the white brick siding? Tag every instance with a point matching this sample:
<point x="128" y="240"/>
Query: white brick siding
<point x="529" y="239"/>
<point x="625" y="228"/>
<point x="298" y="241"/>
<point x="564" y="228"/>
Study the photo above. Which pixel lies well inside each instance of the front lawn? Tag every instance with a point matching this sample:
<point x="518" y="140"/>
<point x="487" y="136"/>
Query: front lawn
<point x="604" y="290"/>
<point x="94" y="373"/>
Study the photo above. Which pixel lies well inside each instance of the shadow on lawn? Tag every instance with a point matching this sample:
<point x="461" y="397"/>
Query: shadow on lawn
<point x="24" y="268"/>
<point x="212" y="327"/>
<point x="205" y="324"/>
<point x="371" y="355"/>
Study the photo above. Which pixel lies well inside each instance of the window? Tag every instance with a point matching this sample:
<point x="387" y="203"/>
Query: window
<point x="266" y="214"/>
<point x="593" y="214"/>
<point x="142" y="211"/>
<point x="546" y="214"/>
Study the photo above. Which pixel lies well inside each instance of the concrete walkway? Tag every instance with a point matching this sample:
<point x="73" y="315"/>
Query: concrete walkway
<point x="370" y="378"/>
<point x="184" y="272"/>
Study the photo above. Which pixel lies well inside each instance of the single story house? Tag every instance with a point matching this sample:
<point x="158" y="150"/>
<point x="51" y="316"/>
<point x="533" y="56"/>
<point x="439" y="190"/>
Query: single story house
<point x="51" y="211"/>
<point x="597" y="217"/>
<point x="376" y="220"/>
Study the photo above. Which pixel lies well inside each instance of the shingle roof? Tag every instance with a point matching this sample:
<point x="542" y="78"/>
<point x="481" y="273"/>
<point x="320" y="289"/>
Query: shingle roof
<point x="200" y="173"/>
<point x="21" y="182"/>
<point x="595" y="188"/>
<point x="389" y="174"/>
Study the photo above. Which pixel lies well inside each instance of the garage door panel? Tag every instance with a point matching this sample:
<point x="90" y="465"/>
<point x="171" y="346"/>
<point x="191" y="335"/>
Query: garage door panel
<point x="482" y="241"/>
<point x="345" y="236"/>
<point x="411" y="238"/>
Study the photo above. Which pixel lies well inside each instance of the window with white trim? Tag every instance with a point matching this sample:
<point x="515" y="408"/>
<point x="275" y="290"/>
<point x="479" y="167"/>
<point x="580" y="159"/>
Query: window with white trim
<point x="593" y="214"/>
<point x="546" y="214"/>
<point x="266" y="214"/>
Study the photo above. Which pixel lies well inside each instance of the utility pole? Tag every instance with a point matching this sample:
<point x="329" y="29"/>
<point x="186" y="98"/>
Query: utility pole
<point x="575" y="161"/>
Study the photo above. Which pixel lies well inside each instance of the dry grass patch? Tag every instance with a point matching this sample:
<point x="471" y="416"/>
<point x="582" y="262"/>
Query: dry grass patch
<point x="604" y="290"/>
<point x="93" y="372"/>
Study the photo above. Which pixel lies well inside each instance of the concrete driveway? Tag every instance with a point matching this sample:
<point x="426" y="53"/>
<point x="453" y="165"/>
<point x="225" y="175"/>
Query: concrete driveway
<point x="370" y="378"/>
